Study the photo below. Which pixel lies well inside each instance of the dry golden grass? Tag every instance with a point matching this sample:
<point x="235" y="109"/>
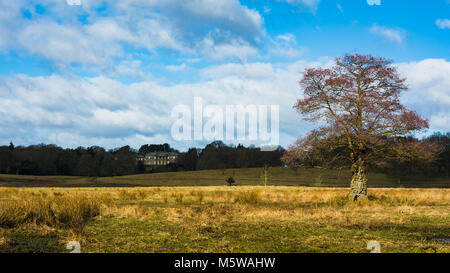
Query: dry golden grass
<point x="49" y="208"/>
<point x="209" y="211"/>
<point x="139" y="212"/>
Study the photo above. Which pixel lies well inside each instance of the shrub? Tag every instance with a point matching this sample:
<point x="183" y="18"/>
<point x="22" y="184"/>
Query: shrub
<point x="230" y="181"/>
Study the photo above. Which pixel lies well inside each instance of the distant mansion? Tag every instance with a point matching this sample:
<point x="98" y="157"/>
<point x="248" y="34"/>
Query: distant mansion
<point x="157" y="158"/>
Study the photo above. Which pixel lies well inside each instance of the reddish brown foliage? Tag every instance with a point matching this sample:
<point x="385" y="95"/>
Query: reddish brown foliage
<point x="358" y="100"/>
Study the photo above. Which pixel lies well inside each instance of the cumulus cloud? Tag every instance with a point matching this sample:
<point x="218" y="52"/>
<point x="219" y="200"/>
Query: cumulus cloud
<point x="228" y="15"/>
<point x="59" y="35"/>
<point x="394" y="35"/>
<point x="64" y="44"/>
<point x="96" y="45"/>
<point x="10" y="19"/>
<point x="131" y="69"/>
<point x="93" y="107"/>
<point x="428" y="83"/>
<point x="233" y="49"/>
<point x="443" y="23"/>
<point x="71" y="111"/>
<point x="107" y="112"/>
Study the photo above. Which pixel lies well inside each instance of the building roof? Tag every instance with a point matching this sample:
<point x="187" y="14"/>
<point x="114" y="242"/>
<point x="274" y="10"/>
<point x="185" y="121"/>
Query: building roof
<point x="161" y="154"/>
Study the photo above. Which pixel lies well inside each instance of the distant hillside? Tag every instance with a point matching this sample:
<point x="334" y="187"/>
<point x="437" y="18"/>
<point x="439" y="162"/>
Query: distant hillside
<point x="283" y="176"/>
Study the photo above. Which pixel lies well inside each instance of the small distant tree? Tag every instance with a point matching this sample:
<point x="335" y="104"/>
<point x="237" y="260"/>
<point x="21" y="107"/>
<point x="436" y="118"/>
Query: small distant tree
<point x="230" y="181"/>
<point x="358" y="100"/>
<point x="265" y="174"/>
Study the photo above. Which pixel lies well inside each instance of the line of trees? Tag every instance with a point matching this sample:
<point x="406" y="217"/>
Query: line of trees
<point x="338" y="158"/>
<point x="217" y="155"/>
<point x="440" y="166"/>
<point x="50" y="159"/>
<point x="96" y="161"/>
<point x="53" y="160"/>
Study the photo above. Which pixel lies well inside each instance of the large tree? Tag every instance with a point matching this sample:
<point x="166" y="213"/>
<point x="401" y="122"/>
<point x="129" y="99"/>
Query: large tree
<point x="357" y="101"/>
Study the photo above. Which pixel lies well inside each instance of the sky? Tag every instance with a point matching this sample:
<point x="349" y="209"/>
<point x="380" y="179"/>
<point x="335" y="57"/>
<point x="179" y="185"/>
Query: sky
<point x="108" y="73"/>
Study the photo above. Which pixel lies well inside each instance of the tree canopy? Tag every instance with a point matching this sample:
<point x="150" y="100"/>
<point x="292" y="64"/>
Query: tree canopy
<point x="358" y="102"/>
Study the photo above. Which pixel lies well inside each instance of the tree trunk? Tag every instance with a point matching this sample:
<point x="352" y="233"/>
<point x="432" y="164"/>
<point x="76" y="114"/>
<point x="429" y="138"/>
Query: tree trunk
<point x="358" y="183"/>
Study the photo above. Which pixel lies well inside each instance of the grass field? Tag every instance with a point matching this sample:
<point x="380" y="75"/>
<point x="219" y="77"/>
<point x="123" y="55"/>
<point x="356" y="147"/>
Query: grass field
<point x="277" y="176"/>
<point x="223" y="219"/>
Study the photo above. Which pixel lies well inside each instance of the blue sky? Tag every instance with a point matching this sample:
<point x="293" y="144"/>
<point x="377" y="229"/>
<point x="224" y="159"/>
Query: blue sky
<point x="107" y="73"/>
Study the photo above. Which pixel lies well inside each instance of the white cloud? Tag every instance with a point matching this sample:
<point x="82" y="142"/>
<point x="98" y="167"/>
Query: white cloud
<point x="443" y="24"/>
<point x="96" y="46"/>
<point x="174" y="68"/>
<point x="190" y="17"/>
<point x="59" y="36"/>
<point x="108" y="30"/>
<point x="103" y="110"/>
<point x="428" y="83"/>
<point x="394" y="35"/>
<point x="154" y="33"/>
<point x="65" y="44"/>
<point x="72" y="111"/>
<point x="286" y="46"/>
<point x="245" y="71"/>
<point x="128" y="68"/>
<point x="10" y="19"/>
<point x="374" y="2"/>
<point x="288" y="37"/>
<point x="311" y="4"/>
<point x="233" y="49"/>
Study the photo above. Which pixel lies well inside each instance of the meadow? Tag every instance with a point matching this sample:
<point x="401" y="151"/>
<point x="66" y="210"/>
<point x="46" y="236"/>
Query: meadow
<point x="278" y="176"/>
<point x="223" y="219"/>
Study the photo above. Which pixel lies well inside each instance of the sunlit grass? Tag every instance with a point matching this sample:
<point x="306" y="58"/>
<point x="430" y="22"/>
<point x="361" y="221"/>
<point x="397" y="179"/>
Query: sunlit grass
<point x="223" y="219"/>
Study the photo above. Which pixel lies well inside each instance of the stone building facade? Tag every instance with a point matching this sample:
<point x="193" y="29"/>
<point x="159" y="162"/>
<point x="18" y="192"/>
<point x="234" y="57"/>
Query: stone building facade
<point x="158" y="158"/>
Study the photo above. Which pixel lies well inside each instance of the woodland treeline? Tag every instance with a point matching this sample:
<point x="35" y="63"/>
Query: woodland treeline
<point x="45" y="159"/>
<point x="413" y="167"/>
<point x="96" y="161"/>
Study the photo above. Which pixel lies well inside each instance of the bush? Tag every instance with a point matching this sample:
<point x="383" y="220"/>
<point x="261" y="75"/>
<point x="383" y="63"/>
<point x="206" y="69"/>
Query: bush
<point x="230" y="181"/>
